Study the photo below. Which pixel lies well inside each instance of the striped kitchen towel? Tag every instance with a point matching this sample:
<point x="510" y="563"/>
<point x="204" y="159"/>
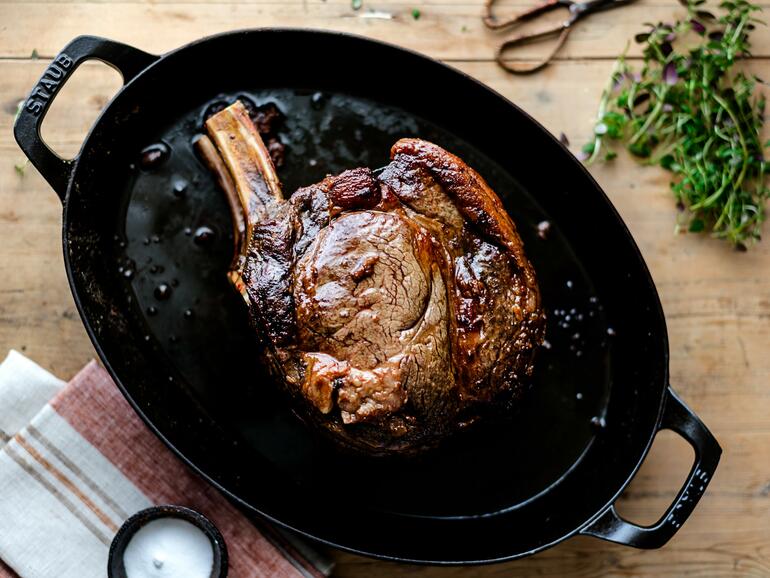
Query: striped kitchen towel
<point x="76" y="461"/>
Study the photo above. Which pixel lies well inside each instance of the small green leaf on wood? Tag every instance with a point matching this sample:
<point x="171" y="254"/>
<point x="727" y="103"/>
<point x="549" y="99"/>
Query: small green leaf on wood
<point x="19" y="108"/>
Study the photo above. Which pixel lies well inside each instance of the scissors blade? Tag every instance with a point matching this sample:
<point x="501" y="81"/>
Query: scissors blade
<point x="579" y="9"/>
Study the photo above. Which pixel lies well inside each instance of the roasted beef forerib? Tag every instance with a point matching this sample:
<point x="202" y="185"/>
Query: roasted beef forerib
<point x="395" y="306"/>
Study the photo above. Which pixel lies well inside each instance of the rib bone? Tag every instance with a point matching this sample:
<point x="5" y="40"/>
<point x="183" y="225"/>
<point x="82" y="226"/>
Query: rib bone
<point x="236" y="154"/>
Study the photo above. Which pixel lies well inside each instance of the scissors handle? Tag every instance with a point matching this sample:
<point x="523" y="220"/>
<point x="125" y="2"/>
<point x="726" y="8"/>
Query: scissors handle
<point x="530" y="67"/>
<point x="492" y="23"/>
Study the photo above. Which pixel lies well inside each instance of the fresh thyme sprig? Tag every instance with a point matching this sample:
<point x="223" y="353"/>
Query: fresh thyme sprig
<point x="689" y="112"/>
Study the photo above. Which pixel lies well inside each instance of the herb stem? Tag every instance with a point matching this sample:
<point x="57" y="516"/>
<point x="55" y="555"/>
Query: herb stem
<point x="651" y="117"/>
<point x="741" y="139"/>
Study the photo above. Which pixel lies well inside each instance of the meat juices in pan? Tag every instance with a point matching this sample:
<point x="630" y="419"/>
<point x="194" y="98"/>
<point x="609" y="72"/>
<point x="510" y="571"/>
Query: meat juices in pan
<point x="394" y="307"/>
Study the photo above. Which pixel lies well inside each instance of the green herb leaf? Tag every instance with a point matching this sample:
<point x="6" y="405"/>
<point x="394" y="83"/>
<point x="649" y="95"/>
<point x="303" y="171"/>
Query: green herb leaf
<point x="696" y="226"/>
<point x="356" y="4"/>
<point x="34" y="55"/>
<point x="416" y="13"/>
<point x="640" y="149"/>
<point x="19" y="108"/>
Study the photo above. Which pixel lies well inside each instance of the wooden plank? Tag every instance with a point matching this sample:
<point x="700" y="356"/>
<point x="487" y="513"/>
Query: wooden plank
<point x="501" y="7"/>
<point x="542" y="95"/>
<point x="453" y="32"/>
<point x="717" y="304"/>
<point x="583" y="557"/>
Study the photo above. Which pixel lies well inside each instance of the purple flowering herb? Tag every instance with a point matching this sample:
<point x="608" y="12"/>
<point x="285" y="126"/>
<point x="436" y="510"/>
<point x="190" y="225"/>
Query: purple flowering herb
<point x="698" y="27"/>
<point x="670" y="75"/>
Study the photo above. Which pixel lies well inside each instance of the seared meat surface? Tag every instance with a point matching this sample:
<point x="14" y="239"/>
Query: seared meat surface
<point x="395" y="306"/>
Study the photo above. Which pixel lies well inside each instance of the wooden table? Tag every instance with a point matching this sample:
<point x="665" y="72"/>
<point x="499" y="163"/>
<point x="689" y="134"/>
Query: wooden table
<point x="717" y="301"/>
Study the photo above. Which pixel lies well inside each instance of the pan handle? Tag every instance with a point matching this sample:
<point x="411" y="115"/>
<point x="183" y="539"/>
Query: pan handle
<point x="125" y="59"/>
<point x="679" y="418"/>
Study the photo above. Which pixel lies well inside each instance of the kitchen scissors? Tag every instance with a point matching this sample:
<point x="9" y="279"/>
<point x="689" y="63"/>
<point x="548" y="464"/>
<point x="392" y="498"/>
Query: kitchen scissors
<point x="576" y="11"/>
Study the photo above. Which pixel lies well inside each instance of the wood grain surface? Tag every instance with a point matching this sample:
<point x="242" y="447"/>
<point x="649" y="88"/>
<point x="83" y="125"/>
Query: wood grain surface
<point x="717" y="301"/>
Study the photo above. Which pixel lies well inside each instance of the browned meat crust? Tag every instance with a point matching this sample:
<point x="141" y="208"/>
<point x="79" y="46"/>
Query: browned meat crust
<point x="395" y="307"/>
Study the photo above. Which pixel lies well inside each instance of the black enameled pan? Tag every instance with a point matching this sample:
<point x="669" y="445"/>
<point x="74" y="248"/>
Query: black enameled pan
<point x="186" y="359"/>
